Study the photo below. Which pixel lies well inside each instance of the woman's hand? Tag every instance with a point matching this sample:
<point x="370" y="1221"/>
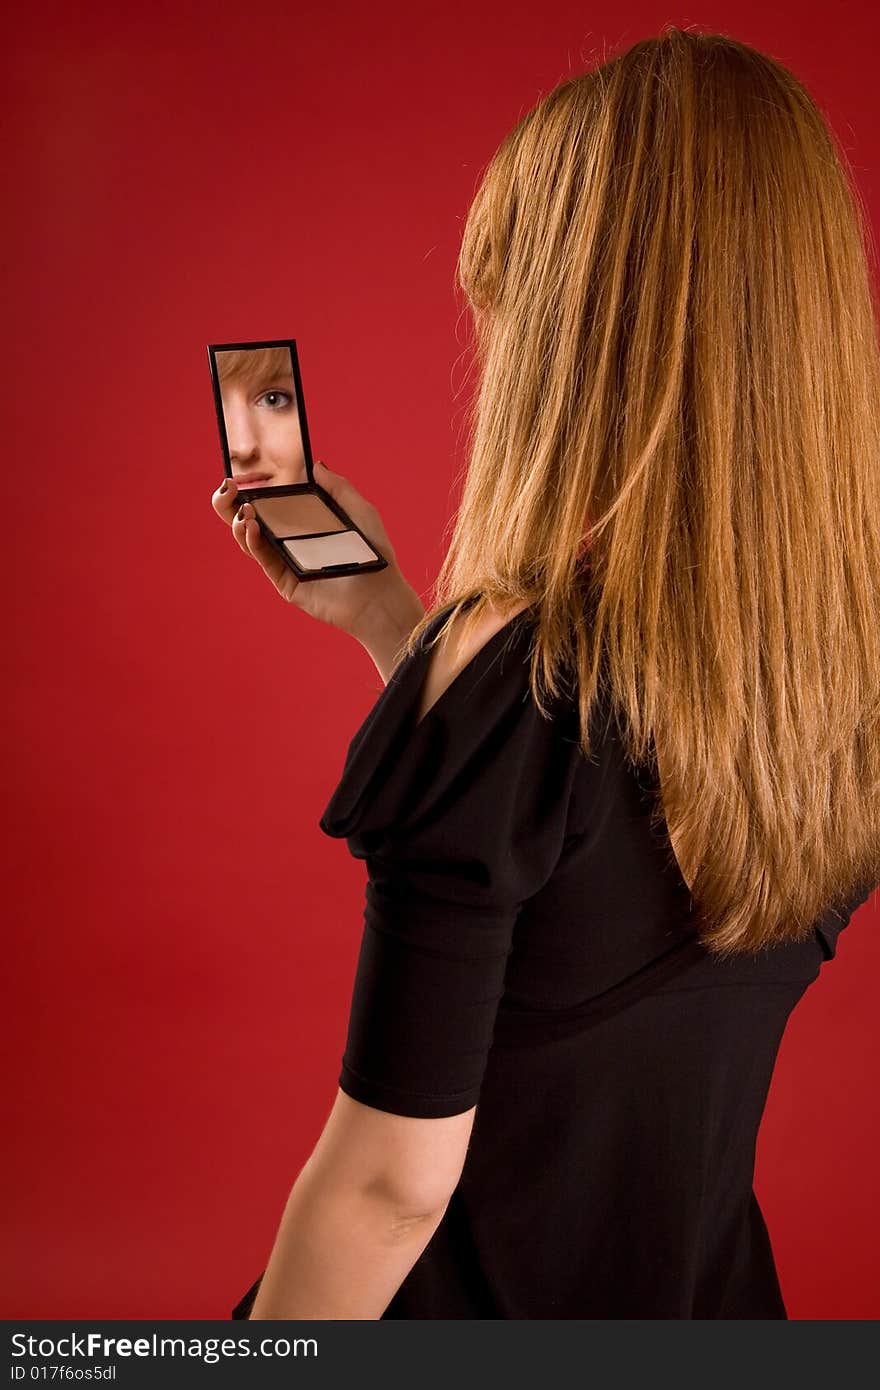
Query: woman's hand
<point x="378" y="608"/>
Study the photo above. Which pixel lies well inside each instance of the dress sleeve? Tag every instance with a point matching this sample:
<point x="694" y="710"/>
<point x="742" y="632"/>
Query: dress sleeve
<point x="460" y="819"/>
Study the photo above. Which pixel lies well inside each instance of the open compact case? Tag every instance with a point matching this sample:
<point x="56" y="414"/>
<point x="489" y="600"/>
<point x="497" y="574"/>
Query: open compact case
<point x="264" y="436"/>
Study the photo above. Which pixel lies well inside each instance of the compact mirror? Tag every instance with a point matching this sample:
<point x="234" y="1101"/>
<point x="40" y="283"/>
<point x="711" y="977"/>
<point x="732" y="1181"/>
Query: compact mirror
<point x="264" y="436"/>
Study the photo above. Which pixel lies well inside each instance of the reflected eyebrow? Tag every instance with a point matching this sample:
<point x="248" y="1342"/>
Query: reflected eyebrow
<point x="273" y="384"/>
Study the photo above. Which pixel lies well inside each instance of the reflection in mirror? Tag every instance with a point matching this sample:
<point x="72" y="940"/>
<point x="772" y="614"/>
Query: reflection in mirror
<point x="261" y="416"/>
<point x="312" y="534"/>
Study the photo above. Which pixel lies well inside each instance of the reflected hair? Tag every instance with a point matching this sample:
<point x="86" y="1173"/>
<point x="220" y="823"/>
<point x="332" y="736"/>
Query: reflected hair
<point x="251" y="366"/>
<point x="675" y="430"/>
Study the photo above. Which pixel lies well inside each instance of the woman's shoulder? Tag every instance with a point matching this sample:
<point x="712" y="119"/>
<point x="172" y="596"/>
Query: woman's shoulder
<point x="454" y="736"/>
<point x="460" y="643"/>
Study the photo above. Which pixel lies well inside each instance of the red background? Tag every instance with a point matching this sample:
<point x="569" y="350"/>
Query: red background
<point x="182" y="937"/>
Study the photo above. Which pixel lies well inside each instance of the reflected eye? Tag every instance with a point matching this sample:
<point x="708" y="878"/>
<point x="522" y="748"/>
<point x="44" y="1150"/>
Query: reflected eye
<point x="276" y="400"/>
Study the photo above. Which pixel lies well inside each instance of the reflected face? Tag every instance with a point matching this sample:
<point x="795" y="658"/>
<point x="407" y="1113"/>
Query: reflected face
<point x="261" y="417"/>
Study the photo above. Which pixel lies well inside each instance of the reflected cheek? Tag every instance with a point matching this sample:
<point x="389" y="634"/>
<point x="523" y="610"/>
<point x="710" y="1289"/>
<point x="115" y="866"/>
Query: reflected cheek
<point x="283" y="441"/>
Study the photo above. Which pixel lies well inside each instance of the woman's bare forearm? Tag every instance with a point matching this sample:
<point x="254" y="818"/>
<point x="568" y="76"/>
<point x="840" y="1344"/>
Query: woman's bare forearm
<point x="387" y="627"/>
<point x="339" y="1253"/>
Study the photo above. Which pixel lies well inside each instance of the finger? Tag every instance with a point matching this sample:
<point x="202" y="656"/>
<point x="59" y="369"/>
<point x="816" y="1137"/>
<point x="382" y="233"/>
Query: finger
<point x="240" y="524"/>
<point x="225" y="500"/>
<point x="254" y="543"/>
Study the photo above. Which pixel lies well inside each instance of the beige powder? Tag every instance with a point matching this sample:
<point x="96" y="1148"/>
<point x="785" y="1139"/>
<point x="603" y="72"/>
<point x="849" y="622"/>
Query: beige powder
<point x="296" y="514"/>
<point x="317" y="552"/>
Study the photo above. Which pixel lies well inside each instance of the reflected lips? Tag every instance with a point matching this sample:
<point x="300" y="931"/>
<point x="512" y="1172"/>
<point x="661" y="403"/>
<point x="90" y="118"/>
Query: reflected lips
<point x="251" y="479"/>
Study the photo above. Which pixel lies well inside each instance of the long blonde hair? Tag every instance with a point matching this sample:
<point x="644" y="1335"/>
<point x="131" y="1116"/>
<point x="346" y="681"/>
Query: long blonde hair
<point x="677" y="428"/>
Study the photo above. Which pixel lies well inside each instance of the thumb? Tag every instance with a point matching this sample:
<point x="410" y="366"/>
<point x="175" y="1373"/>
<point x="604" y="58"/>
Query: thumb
<point x="340" y="488"/>
<point x="363" y="513"/>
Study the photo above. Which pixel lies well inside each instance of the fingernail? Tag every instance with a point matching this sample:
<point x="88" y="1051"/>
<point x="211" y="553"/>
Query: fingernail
<point x="224" y="485"/>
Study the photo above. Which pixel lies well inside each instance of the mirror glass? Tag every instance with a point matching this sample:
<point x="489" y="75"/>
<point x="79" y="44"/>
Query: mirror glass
<point x="261" y="418"/>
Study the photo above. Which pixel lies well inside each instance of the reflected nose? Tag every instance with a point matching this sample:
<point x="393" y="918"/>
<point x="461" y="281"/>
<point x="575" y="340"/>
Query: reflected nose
<point x="244" y="447"/>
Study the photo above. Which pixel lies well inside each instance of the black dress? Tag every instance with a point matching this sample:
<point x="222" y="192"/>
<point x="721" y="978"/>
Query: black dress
<point x="528" y="948"/>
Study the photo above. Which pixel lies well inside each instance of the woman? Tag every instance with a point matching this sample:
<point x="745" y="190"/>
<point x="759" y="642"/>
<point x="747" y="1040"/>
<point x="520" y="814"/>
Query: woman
<point x="663" y="580"/>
